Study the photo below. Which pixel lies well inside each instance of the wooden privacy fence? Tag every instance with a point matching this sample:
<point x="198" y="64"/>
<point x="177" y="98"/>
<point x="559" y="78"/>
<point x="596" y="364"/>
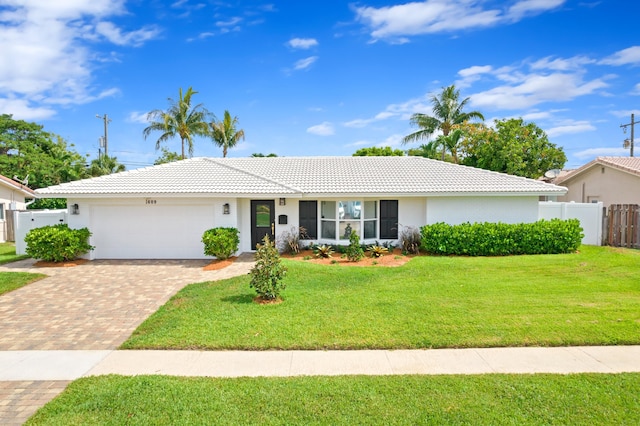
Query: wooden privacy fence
<point x="621" y="225"/>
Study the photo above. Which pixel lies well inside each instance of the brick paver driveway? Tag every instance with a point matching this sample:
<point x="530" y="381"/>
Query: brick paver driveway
<point x="94" y="306"/>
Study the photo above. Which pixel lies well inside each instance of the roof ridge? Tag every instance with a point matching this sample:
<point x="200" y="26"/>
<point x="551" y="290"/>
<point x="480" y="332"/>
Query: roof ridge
<point x="237" y="169"/>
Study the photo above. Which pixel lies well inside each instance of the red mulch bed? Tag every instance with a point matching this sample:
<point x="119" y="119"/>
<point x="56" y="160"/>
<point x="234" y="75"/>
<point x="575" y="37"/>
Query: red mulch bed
<point x="219" y="264"/>
<point x="391" y="259"/>
<point x="67" y="264"/>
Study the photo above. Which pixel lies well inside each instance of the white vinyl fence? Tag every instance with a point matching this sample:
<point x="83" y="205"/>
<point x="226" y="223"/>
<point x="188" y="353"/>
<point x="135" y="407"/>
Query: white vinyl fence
<point x="589" y="215"/>
<point x="27" y="220"/>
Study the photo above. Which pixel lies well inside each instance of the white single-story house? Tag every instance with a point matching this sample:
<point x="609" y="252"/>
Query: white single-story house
<point x="12" y="197"/>
<point x="611" y="180"/>
<point x="162" y="211"/>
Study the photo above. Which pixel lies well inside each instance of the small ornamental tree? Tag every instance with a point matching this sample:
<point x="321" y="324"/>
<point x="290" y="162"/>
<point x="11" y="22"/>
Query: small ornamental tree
<point x="354" y="249"/>
<point x="57" y="243"/>
<point x="220" y="242"/>
<point x="268" y="272"/>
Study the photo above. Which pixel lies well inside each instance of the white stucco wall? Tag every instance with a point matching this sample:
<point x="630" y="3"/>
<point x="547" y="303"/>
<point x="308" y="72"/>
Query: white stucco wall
<point x="412" y="212"/>
<point x="456" y="210"/>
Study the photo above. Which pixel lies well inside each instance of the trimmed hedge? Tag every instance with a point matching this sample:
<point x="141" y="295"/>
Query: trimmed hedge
<point x="57" y="243"/>
<point x="220" y="242"/>
<point x="501" y="239"/>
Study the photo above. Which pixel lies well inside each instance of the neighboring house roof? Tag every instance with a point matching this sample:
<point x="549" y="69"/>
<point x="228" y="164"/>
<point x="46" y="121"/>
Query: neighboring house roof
<point x="17" y="186"/>
<point x="624" y="164"/>
<point x="304" y="176"/>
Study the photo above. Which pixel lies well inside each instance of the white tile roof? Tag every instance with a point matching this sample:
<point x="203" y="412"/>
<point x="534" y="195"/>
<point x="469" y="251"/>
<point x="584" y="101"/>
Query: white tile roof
<point x="626" y="164"/>
<point x="304" y="176"/>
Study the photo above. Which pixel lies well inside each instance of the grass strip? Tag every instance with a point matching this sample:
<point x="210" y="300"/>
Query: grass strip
<point x="581" y="399"/>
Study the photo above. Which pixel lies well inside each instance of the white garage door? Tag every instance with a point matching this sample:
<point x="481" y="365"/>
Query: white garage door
<point x="150" y="232"/>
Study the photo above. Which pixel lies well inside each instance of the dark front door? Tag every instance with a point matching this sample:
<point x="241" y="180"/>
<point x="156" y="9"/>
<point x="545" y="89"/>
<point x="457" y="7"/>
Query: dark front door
<point x="263" y="220"/>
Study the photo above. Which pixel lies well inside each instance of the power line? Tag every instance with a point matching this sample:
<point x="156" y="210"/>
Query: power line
<point x="630" y="140"/>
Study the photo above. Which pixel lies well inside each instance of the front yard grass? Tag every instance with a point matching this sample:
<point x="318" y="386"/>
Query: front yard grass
<point x="10" y="281"/>
<point x="8" y="253"/>
<point x="587" y="298"/>
<point x="580" y="399"/>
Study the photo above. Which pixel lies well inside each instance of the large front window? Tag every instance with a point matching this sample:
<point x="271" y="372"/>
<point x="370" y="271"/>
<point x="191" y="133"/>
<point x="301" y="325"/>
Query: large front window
<point x="340" y="218"/>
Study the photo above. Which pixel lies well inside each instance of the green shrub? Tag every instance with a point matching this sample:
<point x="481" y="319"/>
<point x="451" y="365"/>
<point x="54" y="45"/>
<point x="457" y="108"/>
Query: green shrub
<point x="221" y="242"/>
<point x="324" y="251"/>
<point x="377" y="250"/>
<point x="57" y="243"/>
<point x="268" y="272"/>
<point x="354" y="250"/>
<point x="501" y="239"/>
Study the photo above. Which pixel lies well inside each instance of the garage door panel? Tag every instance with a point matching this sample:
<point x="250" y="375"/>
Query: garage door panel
<point x="150" y="232"/>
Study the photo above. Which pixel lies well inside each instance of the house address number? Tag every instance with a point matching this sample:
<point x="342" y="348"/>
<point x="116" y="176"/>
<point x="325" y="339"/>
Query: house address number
<point x="149" y="201"/>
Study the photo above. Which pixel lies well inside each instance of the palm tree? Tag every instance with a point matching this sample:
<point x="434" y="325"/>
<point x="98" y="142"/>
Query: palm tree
<point x="451" y="142"/>
<point x="105" y="165"/>
<point x="225" y="134"/>
<point x="448" y="112"/>
<point x="181" y="119"/>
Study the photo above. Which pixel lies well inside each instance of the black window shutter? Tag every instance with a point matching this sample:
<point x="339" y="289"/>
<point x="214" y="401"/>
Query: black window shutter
<point x="308" y="211"/>
<point x="388" y="219"/>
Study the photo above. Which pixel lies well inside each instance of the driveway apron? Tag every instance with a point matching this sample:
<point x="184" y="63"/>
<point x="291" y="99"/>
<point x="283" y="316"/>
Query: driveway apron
<point x="92" y="306"/>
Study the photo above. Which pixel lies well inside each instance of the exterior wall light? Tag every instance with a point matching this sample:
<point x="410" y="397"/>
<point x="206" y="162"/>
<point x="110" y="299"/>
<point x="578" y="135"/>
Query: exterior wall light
<point x="283" y="201"/>
<point x="75" y="209"/>
<point x="226" y="209"/>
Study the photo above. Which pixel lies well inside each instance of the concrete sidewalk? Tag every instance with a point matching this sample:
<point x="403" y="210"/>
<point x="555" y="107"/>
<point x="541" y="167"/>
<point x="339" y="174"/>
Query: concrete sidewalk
<point x="70" y="365"/>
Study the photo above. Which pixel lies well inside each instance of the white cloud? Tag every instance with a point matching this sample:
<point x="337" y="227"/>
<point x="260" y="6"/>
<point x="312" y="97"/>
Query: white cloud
<point x="133" y="38"/>
<point x="601" y="152"/>
<point x="569" y="128"/>
<point x="562" y="64"/>
<point x="305" y="63"/>
<point x="628" y="56"/>
<point x="533" y="89"/>
<point x="138" y="117"/>
<point x="323" y="129"/>
<point x="44" y="59"/>
<point x="21" y="110"/>
<point x="396" y="23"/>
<point x="475" y="70"/>
<point x="302" y="43"/>
<point x="531" y="7"/>
<point x="230" y="22"/>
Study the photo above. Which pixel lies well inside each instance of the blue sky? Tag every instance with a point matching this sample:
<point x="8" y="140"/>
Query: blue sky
<point x="320" y="77"/>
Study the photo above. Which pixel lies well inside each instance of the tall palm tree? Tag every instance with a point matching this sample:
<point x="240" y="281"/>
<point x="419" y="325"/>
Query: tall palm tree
<point x="447" y="113"/>
<point x="181" y="119"/>
<point x="225" y="134"/>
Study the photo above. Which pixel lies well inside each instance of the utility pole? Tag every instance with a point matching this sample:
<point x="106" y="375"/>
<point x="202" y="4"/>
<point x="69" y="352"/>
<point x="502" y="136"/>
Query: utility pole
<point x="106" y="132"/>
<point x="624" y="128"/>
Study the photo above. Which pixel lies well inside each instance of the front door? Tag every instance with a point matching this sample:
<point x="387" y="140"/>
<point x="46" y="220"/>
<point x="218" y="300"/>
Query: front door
<point x="263" y="220"/>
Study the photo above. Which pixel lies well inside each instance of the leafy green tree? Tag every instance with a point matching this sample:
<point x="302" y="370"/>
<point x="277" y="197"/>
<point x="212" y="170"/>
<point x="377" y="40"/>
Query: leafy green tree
<point x="181" y="119"/>
<point x="225" y="133"/>
<point x="429" y="150"/>
<point x="105" y="165"/>
<point x="167" y="157"/>
<point x="447" y="113"/>
<point x="261" y="155"/>
<point x="376" y="151"/>
<point x="27" y="151"/>
<point x="513" y="147"/>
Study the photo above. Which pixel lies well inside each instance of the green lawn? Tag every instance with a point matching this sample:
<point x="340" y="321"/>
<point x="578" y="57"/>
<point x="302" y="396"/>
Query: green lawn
<point x="8" y="253"/>
<point x="581" y="399"/>
<point x="588" y="298"/>
<point x="10" y="281"/>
